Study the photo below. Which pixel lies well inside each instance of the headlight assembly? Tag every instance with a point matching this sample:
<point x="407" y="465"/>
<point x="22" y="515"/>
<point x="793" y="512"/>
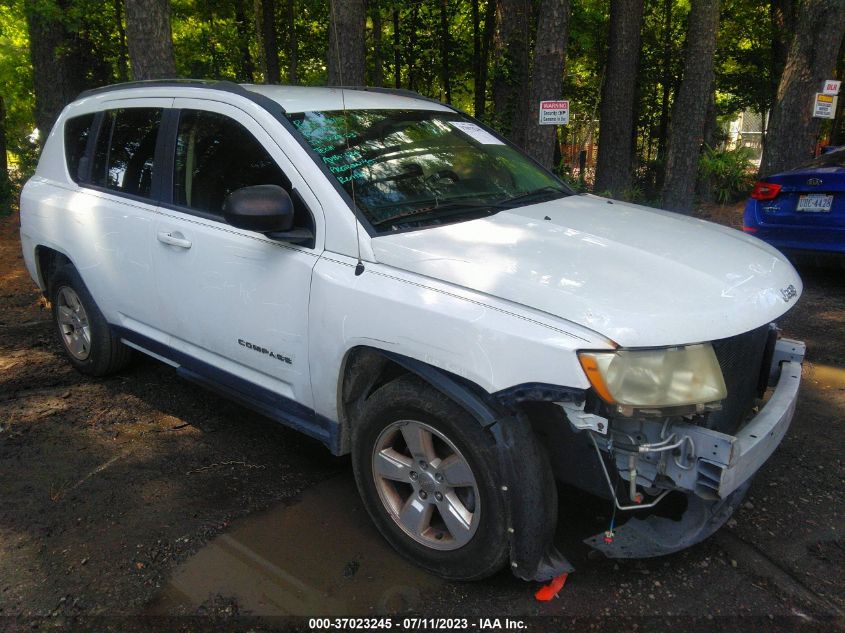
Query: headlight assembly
<point x="656" y="378"/>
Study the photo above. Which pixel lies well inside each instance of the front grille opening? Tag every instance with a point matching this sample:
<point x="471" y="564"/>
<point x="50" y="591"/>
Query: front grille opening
<point x="741" y="358"/>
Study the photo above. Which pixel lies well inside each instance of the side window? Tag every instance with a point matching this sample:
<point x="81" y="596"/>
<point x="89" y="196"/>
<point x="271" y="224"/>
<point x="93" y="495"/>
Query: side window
<point x="216" y="155"/>
<point x="77" y="131"/>
<point x="123" y="158"/>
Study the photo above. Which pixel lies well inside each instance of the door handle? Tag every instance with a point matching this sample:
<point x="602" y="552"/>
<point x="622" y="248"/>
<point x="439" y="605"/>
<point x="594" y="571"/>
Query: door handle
<point x="174" y="239"/>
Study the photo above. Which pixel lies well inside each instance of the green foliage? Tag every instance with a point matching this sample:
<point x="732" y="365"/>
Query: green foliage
<point x="744" y="58"/>
<point x="564" y="172"/>
<point x="16" y="82"/>
<point x="206" y="40"/>
<point x="6" y="195"/>
<point x="219" y="39"/>
<point x="729" y="172"/>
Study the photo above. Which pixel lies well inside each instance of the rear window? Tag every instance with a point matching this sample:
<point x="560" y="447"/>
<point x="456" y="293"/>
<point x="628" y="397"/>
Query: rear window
<point x="833" y="159"/>
<point x="123" y="159"/>
<point x="77" y="131"/>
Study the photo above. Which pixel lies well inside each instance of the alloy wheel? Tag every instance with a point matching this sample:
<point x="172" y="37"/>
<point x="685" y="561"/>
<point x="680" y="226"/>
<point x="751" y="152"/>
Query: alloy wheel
<point x="73" y="323"/>
<point x="426" y="484"/>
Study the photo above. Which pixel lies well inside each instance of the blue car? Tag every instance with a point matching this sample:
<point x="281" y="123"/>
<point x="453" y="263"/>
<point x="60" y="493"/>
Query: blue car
<point x="801" y="211"/>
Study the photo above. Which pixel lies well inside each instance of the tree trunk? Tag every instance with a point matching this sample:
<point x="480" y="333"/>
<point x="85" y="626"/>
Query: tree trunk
<point x="547" y="78"/>
<point x="812" y="58"/>
<point x="122" y="54"/>
<point x="247" y="67"/>
<point x="837" y="135"/>
<point x="782" y="14"/>
<point x="486" y="41"/>
<point x="346" y="59"/>
<point x="212" y="45"/>
<point x="511" y="75"/>
<point x="476" y="52"/>
<point x="690" y="109"/>
<point x="4" y="165"/>
<point x="53" y="75"/>
<point x="412" y="47"/>
<point x="266" y="16"/>
<point x="378" y="50"/>
<point x="445" y="47"/>
<point x="616" y="113"/>
<point x="397" y="51"/>
<point x="666" y="88"/>
<point x="704" y="185"/>
<point x="149" y="38"/>
<point x="293" y="44"/>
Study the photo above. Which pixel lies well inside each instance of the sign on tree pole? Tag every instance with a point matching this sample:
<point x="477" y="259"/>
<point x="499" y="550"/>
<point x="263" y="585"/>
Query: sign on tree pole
<point x="554" y="113"/>
<point x="825" y="106"/>
<point x="831" y="87"/>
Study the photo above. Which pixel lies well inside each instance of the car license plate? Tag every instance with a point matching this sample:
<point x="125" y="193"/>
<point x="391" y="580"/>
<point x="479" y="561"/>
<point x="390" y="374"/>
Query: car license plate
<point x="815" y="203"/>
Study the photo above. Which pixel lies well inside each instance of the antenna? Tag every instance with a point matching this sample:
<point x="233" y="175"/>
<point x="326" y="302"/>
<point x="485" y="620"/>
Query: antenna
<point x="359" y="267"/>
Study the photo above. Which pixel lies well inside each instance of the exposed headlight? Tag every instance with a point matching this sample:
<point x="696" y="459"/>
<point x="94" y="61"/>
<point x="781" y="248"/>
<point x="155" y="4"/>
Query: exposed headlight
<point x="656" y="378"/>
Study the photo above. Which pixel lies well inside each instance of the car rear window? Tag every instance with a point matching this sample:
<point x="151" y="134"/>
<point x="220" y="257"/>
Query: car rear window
<point x="77" y="131"/>
<point x="123" y="159"/>
<point x="833" y="159"/>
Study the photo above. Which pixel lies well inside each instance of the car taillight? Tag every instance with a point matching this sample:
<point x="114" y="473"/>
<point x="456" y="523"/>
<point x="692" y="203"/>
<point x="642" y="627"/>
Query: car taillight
<point x="765" y="191"/>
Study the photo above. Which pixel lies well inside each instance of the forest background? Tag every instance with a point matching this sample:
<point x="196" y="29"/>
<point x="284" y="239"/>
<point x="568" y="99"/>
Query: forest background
<point x="651" y="83"/>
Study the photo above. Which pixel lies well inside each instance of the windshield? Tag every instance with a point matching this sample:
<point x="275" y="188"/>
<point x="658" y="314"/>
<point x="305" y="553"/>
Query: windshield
<point x="416" y="168"/>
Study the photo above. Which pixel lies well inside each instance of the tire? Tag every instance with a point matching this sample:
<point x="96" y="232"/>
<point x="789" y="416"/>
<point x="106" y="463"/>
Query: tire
<point x="452" y="472"/>
<point x="82" y="330"/>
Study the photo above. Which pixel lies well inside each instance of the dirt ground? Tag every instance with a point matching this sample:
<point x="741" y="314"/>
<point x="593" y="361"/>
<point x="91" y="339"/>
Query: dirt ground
<point x="129" y="500"/>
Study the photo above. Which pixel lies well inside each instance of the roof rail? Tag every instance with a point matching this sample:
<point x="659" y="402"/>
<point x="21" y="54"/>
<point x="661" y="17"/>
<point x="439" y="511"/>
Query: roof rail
<point x="148" y="83"/>
<point x="400" y="92"/>
<point x="212" y="84"/>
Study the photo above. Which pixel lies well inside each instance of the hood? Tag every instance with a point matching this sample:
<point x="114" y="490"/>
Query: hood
<point x="639" y="276"/>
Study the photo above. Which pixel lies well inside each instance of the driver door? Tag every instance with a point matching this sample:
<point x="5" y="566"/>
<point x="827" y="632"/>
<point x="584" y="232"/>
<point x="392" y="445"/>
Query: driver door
<point x="234" y="302"/>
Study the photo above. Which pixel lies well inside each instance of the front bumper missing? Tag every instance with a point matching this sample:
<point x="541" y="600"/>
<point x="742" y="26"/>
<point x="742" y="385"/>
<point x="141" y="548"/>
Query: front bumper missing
<point x="715" y="469"/>
<point x="755" y="442"/>
<point x="658" y="536"/>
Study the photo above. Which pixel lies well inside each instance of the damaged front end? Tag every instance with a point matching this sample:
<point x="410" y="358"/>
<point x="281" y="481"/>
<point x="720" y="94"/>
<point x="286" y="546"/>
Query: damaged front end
<point x="642" y="456"/>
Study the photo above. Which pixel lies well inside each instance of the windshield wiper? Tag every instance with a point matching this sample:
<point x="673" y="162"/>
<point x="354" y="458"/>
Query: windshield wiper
<point x="435" y="212"/>
<point x="528" y="196"/>
<point x="451" y="208"/>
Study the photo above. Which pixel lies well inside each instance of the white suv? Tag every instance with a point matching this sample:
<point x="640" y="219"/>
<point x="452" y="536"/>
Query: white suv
<point x="391" y="277"/>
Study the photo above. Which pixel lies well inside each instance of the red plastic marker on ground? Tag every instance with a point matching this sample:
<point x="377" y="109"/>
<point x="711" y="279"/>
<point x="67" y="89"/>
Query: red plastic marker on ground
<point x="547" y="592"/>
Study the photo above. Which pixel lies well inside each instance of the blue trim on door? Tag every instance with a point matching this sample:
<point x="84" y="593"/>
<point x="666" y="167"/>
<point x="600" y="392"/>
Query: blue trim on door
<point x="265" y="401"/>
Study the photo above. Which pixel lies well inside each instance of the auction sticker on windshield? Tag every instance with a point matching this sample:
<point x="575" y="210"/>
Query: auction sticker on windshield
<point x="476" y="133"/>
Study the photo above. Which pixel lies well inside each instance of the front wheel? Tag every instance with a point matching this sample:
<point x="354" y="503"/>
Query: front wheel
<point x="428" y="474"/>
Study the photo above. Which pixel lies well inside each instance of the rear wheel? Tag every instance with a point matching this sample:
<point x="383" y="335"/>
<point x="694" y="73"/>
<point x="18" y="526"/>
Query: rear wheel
<point x="428" y="474"/>
<point x="82" y="330"/>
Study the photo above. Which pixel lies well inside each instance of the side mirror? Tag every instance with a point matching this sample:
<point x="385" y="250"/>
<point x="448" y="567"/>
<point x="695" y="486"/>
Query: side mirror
<point x="262" y="208"/>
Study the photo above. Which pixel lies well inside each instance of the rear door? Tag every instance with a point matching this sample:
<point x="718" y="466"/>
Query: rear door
<point x="234" y="301"/>
<point x="116" y="209"/>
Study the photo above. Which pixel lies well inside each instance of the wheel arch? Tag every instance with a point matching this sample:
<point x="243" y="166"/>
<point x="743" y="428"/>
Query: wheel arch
<point x="47" y="261"/>
<point x="527" y="479"/>
<point x="364" y="369"/>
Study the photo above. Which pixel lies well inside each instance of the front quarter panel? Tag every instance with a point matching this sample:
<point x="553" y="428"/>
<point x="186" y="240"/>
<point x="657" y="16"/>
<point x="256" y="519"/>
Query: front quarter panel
<point x="487" y="341"/>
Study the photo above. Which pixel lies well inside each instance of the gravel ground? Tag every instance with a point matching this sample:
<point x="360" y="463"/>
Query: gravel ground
<point x="110" y="489"/>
